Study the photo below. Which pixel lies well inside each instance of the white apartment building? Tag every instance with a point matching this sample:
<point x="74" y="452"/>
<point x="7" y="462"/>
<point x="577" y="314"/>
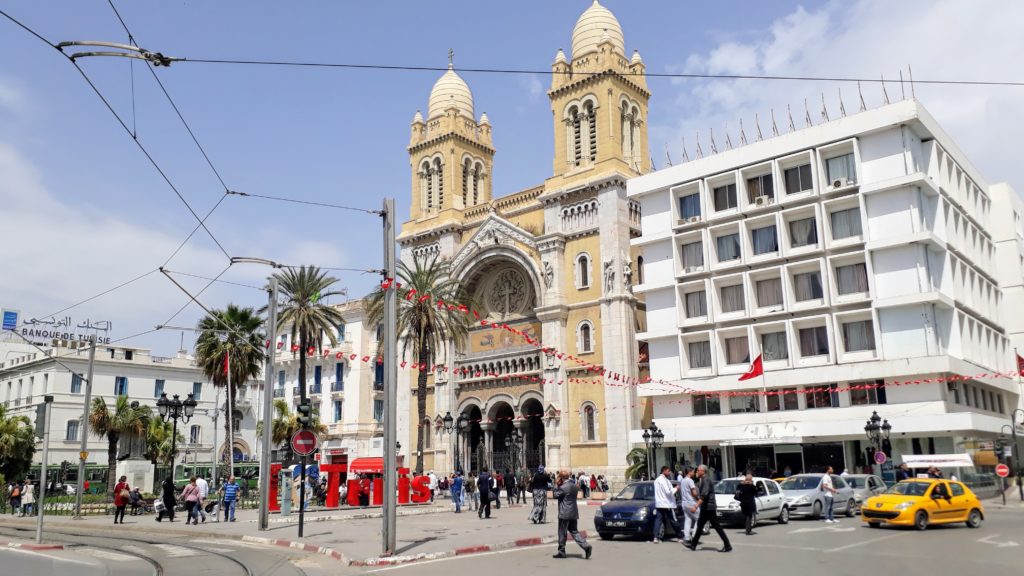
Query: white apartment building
<point x="860" y="250"/>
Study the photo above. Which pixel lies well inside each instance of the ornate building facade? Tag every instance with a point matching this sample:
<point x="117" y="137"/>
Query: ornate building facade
<point x="553" y="261"/>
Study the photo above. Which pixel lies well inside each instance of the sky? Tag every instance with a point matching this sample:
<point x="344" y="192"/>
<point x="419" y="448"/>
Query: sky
<point x="83" y="210"/>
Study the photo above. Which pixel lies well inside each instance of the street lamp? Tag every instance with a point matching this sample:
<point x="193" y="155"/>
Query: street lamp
<point x="1016" y="450"/>
<point x="877" y="430"/>
<point x="175" y="410"/>
<point x="512" y="442"/>
<point x="461" y="425"/>
<point x="653" y="439"/>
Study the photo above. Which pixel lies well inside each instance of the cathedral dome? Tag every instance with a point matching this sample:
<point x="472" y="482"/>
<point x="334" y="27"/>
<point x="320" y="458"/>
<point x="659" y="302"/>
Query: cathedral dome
<point x="450" y="90"/>
<point x="594" y="25"/>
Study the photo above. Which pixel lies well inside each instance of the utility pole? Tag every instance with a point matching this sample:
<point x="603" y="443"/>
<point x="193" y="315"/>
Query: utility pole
<point x="41" y="504"/>
<point x="230" y="413"/>
<point x="213" y="453"/>
<point x="268" y="401"/>
<point x="390" y="379"/>
<point x="83" y="453"/>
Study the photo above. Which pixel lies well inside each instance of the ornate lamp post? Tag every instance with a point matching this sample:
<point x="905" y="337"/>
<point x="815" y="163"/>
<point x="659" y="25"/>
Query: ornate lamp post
<point x="174" y="409"/>
<point x="513" y="441"/>
<point x="877" y="430"/>
<point x="653" y="439"/>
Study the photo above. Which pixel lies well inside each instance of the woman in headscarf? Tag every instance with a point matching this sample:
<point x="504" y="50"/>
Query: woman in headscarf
<point x="167" y="495"/>
<point x="540" y="486"/>
<point x="746" y="493"/>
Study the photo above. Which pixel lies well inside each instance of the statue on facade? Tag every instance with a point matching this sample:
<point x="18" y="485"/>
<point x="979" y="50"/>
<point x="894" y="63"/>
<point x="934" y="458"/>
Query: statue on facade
<point x="627" y="272"/>
<point x="609" y="275"/>
<point x="549" y="274"/>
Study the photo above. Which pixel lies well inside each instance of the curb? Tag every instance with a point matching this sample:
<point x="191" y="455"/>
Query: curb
<point x="521" y="543"/>
<point x="310" y="548"/>
<point x="27" y="546"/>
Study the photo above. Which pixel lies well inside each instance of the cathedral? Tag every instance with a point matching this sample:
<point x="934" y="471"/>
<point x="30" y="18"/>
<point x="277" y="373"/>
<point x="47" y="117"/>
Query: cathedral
<point x="553" y="261"/>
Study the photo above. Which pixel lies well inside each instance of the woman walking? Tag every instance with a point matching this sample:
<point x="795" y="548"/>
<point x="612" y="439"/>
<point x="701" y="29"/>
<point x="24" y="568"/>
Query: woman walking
<point x="191" y="497"/>
<point x="746" y="493"/>
<point x="167" y="495"/>
<point x="15" y="498"/>
<point x="539" y="486"/>
<point x="28" y="498"/>
<point x="122" y="495"/>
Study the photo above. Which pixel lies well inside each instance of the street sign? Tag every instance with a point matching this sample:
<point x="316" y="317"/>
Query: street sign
<point x="1002" y="470"/>
<point x="83" y="455"/>
<point x="880" y="457"/>
<point x="304" y="442"/>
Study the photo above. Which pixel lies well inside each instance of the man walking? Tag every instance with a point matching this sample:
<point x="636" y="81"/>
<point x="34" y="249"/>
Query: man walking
<point x="483" y="483"/>
<point x="432" y="485"/>
<point x="830" y="491"/>
<point x="584" y="484"/>
<point x="230" y="499"/>
<point x="568" y="515"/>
<point x="457" y="492"/>
<point x="510" y="486"/>
<point x="471" y="491"/>
<point x="708" y="511"/>
<point x="204" y="493"/>
<point x="665" y="505"/>
<point x="688" y="503"/>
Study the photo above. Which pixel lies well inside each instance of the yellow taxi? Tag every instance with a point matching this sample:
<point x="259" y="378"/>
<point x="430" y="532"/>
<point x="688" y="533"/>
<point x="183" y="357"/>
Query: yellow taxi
<point x="923" y="501"/>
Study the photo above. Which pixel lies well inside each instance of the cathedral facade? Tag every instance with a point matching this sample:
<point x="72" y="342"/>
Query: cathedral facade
<point x="553" y="261"/>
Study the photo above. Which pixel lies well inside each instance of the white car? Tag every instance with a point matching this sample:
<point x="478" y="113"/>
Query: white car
<point x="771" y="502"/>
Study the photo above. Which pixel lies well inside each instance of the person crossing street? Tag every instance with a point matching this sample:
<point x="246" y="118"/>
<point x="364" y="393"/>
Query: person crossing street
<point x="665" y="505"/>
<point x="708" y="511"/>
<point x="568" y="515"/>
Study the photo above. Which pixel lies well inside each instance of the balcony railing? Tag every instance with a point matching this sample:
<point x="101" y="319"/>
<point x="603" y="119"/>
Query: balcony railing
<point x="278" y="392"/>
<point x="337" y="386"/>
<point x="378" y="386"/>
<point x="315" y="389"/>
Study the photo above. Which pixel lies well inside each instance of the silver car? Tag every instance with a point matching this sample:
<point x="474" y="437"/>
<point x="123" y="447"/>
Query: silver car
<point x="864" y="486"/>
<point x="805" y="497"/>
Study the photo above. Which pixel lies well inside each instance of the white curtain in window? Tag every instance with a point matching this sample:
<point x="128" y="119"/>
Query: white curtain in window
<point x="764" y="240"/>
<point x="803" y="232"/>
<point x="737" y="350"/>
<point x="699" y="354"/>
<point x="773" y="346"/>
<point x="841" y="167"/>
<point x="807" y="286"/>
<point x="693" y="254"/>
<point x="852" y="279"/>
<point x="696" y="304"/>
<point x="769" y="292"/>
<point x="728" y="247"/>
<point x="813" y="341"/>
<point x="846" y="223"/>
<point x="859" y="335"/>
<point x="732" y="298"/>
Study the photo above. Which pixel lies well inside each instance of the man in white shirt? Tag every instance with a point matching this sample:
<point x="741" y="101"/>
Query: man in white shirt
<point x="829" y="489"/>
<point x="665" y="503"/>
<point x="584" y="482"/>
<point x="432" y="484"/>
<point x="204" y="491"/>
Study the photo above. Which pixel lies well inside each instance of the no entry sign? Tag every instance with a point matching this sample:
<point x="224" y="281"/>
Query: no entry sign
<point x="304" y="442"/>
<point x="1002" y="470"/>
<point x="880" y="457"/>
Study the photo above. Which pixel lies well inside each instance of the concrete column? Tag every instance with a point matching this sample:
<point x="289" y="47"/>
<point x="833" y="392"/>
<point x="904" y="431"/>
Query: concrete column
<point x="488" y="428"/>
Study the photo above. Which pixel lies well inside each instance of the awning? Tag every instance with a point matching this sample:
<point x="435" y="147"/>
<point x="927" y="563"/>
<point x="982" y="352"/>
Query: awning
<point x="366" y="466"/>
<point x="938" y="460"/>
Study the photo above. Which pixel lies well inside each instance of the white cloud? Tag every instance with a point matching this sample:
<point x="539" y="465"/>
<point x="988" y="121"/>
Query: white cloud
<point x="944" y="39"/>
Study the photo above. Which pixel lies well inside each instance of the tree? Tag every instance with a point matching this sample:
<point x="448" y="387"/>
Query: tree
<point x="234" y="333"/>
<point x="17" y="444"/>
<point x="286" y="424"/>
<point x="637" y="460"/>
<point x="159" y="447"/>
<point x="424" y="327"/>
<point x="127" y="418"/>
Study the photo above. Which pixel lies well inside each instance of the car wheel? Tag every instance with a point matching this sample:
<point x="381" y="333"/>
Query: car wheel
<point x="974" y="519"/>
<point x="874" y="524"/>
<point x="784" y="515"/>
<point x="850" y="506"/>
<point x="816" y="511"/>
<point x="921" y="520"/>
<point x="605" y="535"/>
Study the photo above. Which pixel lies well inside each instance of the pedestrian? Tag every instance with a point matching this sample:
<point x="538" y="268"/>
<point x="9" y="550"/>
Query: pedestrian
<point x="746" y="494"/>
<point x="190" y="494"/>
<point x="584" y="483"/>
<point x="523" y="478"/>
<point x="903" y="472"/>
<point x="28" y="498"/>
<point x="484" y="484"/>
<point x="167" y="498"/>
<point x="510" y="486"/>
<point x="665" y="504"/>
<point x="688" y="503"/>
<point x="122" y="496"/>
<point x="15" y="497"/>
<point x="204" y="493"/>
<point x="230" y="499"/>
<point x="457" y="492"/>
<point x="471" y="490"/>
<point x="568" y="515"/>
<point x="495" y="490"/>
<point x="135" y="499"/>
<point x="539" y="486"/>
<point x="787" y="471"/>
<point x="708" y="510"/>
<point x="432" y="484"/>
<point x="829" y="489"/>
<point x="593" y="484"/>
<point x="934" y="472"/>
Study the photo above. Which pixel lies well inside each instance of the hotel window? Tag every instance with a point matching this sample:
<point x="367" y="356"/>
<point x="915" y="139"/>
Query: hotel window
<point x="852" y="279"/>
<point x="318" y="378"/>
<point x="378" y="410"/>
<point x="706" y="404"/>
<point x="724" y="197"/>
<point x="158" y="388"/>
<point x="280" y="379"/>
<point x="764" y="240"/>
<point x="803" y="232"/>
<point x="197" y="391"/>
<point x="689" y="206"/>
<point x="822" y="396"/>
<point x="337" y="410"/>
<point x="867" y="396"/>
<point x="76" y="383"/>
<point x="584" y="337"/>
<point x="984" y="400"/>
<point x="699" y="354"/>
<point x="583" y="271"/>
<point x="339" y="377"/>
<point x="1002" y="408"/>
<point x="798" y="179"/>
<point x="693" y="255"/>
<point x="744" y="404"/>
<point x="120" y="386"/>
<point x="769" y="292"/>
<point x="639" y="269"/>
<point x="589" y="423"/>
<point x="341" y="332"/>
<point x="773" y="346"/>
<point x="841" y="168"/>
<point x="977" y="401"/>
<point x="807" y="286"/>
<point x="858" y="336"/>
<point x="71" y="431"/>
<point x="732" y="298"/>
<point x="784" y="399"/>
<point x="760" y="186"/>
<point x="728" y="247"/>
<point x="846" y="223"/>
<point x="736" y="350"/>
<point x="814" y="341"/>
<point x="378" y="374"/>
<point x="194" y="434"/>
<point x="696" y="304"/>
<point x="967" y="394"/>
<point x="428" y="429"/>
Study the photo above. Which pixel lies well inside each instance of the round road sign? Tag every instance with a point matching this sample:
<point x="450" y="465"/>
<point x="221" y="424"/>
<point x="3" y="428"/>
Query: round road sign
<point x="1002" y="470"/>
<point x="304" y="442"/>
<point x="880" y="457"/>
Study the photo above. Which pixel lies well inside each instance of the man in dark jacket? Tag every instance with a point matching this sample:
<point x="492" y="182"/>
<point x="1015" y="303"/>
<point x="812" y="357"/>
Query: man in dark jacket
<point x="568" y="514"/>
<point x="708" y="511"/>
<point x="484" y="484"/>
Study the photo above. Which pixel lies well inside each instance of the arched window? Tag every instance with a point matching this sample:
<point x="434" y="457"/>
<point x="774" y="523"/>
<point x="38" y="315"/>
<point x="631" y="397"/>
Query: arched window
<point x="427" y="185"/>
<point x="589" y="423"/>
<point x="466" y="175"/>
<point x="428" y="431"/>
<point x="583" y="271"/>
<point x="585" y="337"/>
<point x="627" y="124"/>
<point x="635" y="121"/>
<point x="477" y="174"/>
<point x="237" y="420"/>
<point x="575" y="135"/>
<point x="591" y="118"/>
<point x="639" y="269"/>
<point x="439" y="174"/>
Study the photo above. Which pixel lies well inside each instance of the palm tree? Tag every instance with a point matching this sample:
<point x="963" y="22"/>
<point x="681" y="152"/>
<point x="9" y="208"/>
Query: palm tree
<point x="127" y="418"/>
<point x="423" y="327"/>
<point x="17" y="444"/>
<point x="159" y="447"/>
<point x="242" y="343"/>
<point x="637" y="459"/>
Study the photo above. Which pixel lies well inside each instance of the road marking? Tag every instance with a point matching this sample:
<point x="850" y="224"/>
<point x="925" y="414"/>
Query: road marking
<point x="238" y="543"/>
<point x="107" y="555"/>
<point x="173" y="551"/>
<point x="422" y="562"/>
<point x="872" y="541"/>
<point x="780" y="546"/>
<point x="1007" y="544"/>
<point x="822" y="529"/>
<point x="48" y="556"/>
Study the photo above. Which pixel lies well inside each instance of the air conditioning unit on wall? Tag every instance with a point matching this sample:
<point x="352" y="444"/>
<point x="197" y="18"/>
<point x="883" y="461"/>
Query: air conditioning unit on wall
<point x="841" y="182"/>
<point x="763" y="200"/>
<point x="693" y="219"/>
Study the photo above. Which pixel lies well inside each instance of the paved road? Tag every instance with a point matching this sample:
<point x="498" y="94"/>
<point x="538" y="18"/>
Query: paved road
<point x="801" y="547"/>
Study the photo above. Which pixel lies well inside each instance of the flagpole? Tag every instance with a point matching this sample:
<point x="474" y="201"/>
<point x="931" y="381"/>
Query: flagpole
<point x="764" y="391"/>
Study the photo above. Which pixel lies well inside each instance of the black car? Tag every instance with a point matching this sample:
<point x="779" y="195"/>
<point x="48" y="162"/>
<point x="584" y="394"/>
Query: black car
<point x="630" y="513"/>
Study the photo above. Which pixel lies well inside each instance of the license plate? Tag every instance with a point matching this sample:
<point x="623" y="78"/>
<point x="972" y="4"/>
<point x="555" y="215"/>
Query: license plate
<point x="616" y="524"/>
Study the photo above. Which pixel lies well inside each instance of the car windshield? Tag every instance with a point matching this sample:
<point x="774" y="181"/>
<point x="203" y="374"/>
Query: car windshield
<point x="909" y="488"/>
<point x="727" y="486"/>
<point x="856" y="482"/>
<point x="637" y="491"/>
<point x="801" y="483"/>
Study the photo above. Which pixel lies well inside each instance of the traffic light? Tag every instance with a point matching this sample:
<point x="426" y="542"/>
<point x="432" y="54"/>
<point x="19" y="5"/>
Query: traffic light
<point x="305" y="417"/>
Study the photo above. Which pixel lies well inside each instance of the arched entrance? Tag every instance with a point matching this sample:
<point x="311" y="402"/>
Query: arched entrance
<point x="533" y="432"/>
<point x="473" y="440"/>
<point x="504" y="457"/>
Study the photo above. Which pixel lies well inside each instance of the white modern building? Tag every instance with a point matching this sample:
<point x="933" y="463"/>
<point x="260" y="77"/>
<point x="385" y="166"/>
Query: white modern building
<point x="859" y="251"/>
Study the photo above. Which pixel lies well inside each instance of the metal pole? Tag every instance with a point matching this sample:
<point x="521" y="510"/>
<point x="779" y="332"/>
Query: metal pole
<point x="213" y="456"/>
<point x="268" y="401"/>
<point x="231" y="417"/>
<point x="1016" y="453"/>
<point x="85" y="430"/>
<point x="174" y="447"/>
<point x="41" y="502"/>
<point x="390" y="381"/>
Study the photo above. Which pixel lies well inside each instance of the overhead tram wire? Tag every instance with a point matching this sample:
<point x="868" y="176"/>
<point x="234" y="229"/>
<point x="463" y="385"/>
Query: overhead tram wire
<point x="308" y="202"/>
<point x="214" y="279"/>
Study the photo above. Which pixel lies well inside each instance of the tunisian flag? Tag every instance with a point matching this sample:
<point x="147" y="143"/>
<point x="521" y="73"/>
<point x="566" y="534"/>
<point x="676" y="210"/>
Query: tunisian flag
<point x="756" y="369"/>
<point x="227" y="360"/>
<point x="1020" y="365"/>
